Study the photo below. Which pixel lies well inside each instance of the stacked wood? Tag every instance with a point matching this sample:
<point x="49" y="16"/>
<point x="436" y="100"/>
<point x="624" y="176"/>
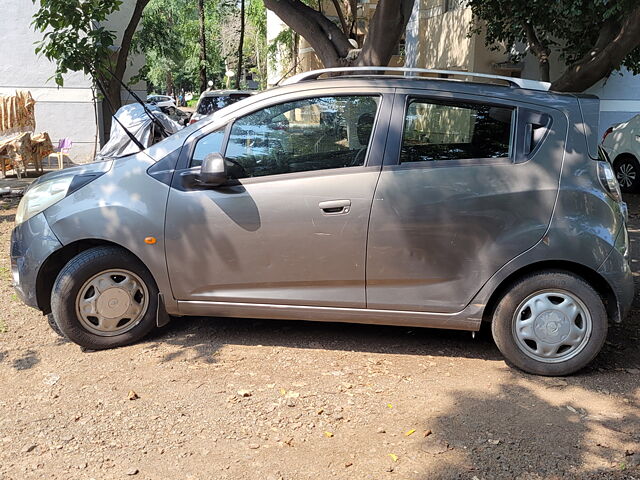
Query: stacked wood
<point x="18" y="148"/>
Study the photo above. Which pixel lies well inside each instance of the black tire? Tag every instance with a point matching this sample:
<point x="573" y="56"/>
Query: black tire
<point x="54" y="326"/>
<point x="518" y="353"/>
<point x="71" y="279"/>
<point x="627" y="171"/>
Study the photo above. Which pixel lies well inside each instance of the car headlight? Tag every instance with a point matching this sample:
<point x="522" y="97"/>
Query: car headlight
<point x="41" y="196"/>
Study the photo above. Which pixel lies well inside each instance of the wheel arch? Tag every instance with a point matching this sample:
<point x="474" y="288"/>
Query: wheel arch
<point x="57" y="260"/>
<point x="622" y="155"/>
<point x="593" y="278"/>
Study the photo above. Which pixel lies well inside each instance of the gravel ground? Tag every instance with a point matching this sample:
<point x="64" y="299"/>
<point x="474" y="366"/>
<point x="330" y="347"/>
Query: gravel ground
<point x="246" y="399"/>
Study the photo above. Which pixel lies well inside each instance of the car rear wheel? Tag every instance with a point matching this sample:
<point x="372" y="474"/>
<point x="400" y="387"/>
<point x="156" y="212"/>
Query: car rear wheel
<point x="550" y="323"/>
<point x="627" y="170"/>
<point x="104" y="298"/>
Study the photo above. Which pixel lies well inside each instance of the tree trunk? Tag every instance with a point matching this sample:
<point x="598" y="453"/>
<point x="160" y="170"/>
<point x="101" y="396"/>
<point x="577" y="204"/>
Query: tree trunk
<point x="343" y="21"/>
<point x="612" y="46"/>
<point x="386" y="27"/>
<point x="331" y="44"/>
<point x="203" y="47"/>
<point x="540" y="50"/>
<point x="240" y="45"/>
<point x="113" y="86"/>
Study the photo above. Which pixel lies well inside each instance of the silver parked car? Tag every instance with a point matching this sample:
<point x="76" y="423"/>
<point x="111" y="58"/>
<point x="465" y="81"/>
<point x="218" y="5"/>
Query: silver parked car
<point x="367" y="198"/>
<point x="213" y="100"/>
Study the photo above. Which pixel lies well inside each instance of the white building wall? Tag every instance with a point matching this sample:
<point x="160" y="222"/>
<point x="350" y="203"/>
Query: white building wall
<point x="62" y="112"/>
<point x="277" y="65"/>
<point x="619" y="94"/>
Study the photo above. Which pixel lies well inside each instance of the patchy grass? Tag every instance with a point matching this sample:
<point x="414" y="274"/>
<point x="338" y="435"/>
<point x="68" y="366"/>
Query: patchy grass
<point x="3" y="326"/>
<point x="5" y="273"/>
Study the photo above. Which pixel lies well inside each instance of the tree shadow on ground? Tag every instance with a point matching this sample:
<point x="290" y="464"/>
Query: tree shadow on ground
<point x="514" y="432"/>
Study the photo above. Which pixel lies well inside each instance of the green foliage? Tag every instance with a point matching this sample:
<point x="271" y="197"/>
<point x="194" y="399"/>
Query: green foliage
<point x="169" y="34"/>
<point x="570" y="27"/>
<point x="72" y="37"/>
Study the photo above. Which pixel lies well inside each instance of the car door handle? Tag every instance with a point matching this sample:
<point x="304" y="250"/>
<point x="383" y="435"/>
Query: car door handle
<point x="335" y="207"/>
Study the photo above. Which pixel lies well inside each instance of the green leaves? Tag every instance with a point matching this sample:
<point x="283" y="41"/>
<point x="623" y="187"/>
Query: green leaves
<point x="72" y="35"/>
<point x="571" y="27"/>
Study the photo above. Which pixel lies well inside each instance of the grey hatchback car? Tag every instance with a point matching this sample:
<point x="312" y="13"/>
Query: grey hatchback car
<point x="377" y="196"/>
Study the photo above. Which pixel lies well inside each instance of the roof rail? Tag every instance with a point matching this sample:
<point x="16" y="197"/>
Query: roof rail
<point x="315" y="74"/>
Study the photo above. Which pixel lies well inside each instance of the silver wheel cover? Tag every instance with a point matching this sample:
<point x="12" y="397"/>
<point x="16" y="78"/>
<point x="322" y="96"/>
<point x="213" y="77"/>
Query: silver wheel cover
<point x="552" y="326"/>
<point x="112" y="302"/>
<point x="626" y="175"/>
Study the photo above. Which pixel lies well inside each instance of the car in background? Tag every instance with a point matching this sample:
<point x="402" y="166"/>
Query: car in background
<point x="162" y="100"/>
<point x="213" y="100"/>
<point x="622" y="144"/>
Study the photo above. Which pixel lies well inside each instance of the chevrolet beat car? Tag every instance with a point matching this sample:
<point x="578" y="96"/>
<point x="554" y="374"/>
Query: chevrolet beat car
<point x="366" y="195"/>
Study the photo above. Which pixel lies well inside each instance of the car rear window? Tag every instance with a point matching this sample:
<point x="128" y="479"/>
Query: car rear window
<point x="442" y="130"/>
<point x="209" y="105"/>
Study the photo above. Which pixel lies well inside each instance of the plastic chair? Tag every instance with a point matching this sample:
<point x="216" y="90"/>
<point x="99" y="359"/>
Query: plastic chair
<point x="64" y="145"/>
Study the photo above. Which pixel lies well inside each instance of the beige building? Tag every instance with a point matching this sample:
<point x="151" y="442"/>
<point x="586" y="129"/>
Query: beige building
<point x="437" y="37"/>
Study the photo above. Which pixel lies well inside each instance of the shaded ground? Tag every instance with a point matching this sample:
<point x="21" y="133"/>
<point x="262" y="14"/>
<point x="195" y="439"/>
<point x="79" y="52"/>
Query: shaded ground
<point x="247" y="399"/>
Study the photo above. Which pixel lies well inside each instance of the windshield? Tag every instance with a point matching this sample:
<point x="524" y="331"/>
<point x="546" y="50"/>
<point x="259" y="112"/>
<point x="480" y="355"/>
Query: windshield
<point x="209" y="105"/>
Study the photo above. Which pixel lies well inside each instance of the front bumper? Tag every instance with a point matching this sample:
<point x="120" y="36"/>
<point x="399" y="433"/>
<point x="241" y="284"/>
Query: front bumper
<point x="32" y="242"/>
<point x="617" y="272"/>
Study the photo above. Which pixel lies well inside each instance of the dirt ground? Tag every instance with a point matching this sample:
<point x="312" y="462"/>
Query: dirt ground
<point x="246" y="399"/>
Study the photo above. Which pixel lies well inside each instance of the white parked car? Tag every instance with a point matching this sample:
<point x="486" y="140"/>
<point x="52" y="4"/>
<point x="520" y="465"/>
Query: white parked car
<point x="161" y="100"/>
<point x="622" y="143"/>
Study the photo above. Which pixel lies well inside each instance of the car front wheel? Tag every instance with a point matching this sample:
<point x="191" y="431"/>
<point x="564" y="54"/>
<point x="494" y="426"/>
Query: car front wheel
<point x="104" y="298"/>
<point x="550" y="323"/>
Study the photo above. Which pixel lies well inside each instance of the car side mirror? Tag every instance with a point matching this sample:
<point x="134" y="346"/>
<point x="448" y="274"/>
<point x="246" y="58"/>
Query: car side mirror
<point x="213" y="171"/>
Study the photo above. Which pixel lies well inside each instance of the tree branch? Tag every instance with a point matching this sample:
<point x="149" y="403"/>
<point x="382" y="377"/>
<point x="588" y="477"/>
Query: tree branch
<point x="127" y="36"/>
<point x="539" y="49"/>
<point x="123" y="53"/>
<point x="610" y="49"/>
<point x="343" y="21"/>
<point x="385" y="30"/>
<point x="328" y="41"/>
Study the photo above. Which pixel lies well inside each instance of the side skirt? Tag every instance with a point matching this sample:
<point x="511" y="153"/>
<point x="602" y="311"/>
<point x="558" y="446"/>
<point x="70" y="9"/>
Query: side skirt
<point x="468" y="319"/>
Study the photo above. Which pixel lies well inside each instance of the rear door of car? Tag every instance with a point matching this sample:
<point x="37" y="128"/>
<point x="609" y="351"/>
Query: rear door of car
<point x="469" y="182"/>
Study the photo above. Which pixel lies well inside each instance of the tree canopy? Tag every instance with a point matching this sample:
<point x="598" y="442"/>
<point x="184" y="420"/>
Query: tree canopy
<point x="72" y="36"/>
<point x="188" y="42"/>
<point x="593" y="37"/>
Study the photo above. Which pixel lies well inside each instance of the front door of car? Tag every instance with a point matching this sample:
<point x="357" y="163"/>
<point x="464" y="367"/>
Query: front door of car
<point x="470" y="184"/>
<point x="290" y="225"/>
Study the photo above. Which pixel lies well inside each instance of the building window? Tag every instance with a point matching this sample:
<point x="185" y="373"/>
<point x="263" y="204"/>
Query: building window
<point x="450" y="5"/>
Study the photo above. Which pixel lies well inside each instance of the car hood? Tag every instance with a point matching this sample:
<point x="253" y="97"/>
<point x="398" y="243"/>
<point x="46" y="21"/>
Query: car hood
<point x="88" y="168"/>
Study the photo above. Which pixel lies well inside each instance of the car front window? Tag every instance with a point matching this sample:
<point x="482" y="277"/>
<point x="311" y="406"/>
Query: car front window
<point x="311" y="134"/>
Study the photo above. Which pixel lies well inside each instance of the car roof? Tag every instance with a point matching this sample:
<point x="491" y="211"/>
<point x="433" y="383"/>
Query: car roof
<point x="507" y="92"/>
